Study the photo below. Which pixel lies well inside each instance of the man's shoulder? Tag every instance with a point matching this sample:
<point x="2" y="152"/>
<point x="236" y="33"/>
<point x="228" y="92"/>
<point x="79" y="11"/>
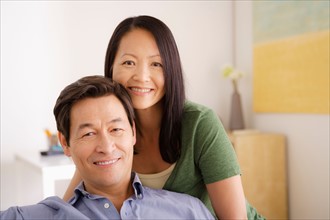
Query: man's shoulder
<point x="54" y="202"/>
<point x="176" y="204"/>
<point x="171" y="196"/>
<point x="49" y="208"/>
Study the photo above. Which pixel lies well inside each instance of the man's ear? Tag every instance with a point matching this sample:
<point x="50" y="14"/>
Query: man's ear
<point x="134" y="133"/>
<point x="64" y="144"/>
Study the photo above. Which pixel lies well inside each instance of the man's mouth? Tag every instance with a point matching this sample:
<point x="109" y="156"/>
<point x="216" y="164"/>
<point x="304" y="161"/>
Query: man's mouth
<point x="106" y="162"/>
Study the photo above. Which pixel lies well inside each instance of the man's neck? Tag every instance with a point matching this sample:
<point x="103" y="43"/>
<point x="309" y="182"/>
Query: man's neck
<point x="116" y="194"/>
<point x="119" y="198"/>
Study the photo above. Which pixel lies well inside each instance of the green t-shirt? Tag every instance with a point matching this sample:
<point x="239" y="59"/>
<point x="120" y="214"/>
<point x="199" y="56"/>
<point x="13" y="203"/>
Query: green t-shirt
<point x="207" y="155"/>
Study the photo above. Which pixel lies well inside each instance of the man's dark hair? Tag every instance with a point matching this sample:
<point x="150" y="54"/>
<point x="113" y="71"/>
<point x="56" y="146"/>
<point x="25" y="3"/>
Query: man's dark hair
<point x="88" y="87"/>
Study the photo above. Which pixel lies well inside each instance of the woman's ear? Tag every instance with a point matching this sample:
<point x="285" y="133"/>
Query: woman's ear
<point x="64" y="144"/>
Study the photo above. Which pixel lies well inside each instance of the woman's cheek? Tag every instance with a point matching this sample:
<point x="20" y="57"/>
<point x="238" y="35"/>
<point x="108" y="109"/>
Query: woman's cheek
<point x="120" y="77"/>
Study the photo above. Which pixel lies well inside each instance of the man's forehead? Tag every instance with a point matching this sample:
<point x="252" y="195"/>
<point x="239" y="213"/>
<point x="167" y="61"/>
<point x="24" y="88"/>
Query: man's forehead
<point x="109" y="107"/>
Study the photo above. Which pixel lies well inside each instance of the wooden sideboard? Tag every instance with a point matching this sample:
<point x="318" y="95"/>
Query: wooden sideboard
<point x="262" y="157"/>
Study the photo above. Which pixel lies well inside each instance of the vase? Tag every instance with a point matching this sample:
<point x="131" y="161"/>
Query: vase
<point x="236" y="115"/>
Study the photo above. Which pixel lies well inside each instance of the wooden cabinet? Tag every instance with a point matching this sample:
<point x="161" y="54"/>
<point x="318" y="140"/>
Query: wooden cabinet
<point x="262" y="157"/>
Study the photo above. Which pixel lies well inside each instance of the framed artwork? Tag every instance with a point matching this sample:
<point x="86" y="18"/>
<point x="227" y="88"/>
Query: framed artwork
<point x="291" y="57"/>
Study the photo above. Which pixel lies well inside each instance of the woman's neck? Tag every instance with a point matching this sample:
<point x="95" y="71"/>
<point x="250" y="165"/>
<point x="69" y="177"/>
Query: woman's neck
<point x="148" y="121"/>
<point x="148" y="159"/>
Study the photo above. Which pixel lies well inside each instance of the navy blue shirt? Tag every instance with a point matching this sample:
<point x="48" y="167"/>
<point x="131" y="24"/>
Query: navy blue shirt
<point x="145" y="203"/>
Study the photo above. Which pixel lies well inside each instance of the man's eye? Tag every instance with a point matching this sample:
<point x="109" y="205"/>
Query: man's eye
<point x="117" y="131"/>
<point x="88" y="134"/>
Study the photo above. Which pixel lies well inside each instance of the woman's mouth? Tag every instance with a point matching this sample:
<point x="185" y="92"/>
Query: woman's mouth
<point x="140" y="90"/>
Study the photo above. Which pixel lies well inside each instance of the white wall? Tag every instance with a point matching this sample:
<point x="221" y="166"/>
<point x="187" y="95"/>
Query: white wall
<point x="307" y="135"/>
<point x="47" y="45"/>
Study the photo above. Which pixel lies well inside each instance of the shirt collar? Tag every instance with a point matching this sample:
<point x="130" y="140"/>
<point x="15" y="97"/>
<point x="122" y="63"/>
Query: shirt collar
<point x="80" y="190"/>
<point x="137" y="186"/>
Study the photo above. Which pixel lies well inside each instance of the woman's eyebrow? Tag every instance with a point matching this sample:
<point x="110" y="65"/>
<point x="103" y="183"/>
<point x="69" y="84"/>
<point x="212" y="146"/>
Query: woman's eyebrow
<point x="127" y="54"/>
<point x="130" y="54"/>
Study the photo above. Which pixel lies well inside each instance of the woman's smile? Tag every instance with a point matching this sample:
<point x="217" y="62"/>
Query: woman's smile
<point x="140" y="91"/>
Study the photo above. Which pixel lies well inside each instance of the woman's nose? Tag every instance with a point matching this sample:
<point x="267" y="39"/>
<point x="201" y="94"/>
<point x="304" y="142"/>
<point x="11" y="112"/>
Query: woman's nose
<point x="142" y="73"/>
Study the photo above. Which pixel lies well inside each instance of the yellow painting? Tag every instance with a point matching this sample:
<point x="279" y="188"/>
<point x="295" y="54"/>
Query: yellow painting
<point x="291" y="67"/>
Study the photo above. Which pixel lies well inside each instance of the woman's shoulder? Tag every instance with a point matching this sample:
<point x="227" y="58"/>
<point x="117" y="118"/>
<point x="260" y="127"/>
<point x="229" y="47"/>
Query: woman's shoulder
<point x="199" y="115"/>
<point x="191" y="106"/>
<point x="193" y="110"/>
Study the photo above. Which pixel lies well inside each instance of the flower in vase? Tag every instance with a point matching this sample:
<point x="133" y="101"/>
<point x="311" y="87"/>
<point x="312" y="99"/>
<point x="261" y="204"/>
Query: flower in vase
<point x="228" y="71"/>
<point x="236" y="114"/>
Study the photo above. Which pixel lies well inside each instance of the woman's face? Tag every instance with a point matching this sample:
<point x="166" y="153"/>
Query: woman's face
<point x="138" y="66"/>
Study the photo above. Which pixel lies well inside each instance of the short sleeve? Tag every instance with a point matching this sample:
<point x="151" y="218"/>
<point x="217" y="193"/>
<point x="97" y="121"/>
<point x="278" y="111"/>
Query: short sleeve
<point x="215" y="156"/>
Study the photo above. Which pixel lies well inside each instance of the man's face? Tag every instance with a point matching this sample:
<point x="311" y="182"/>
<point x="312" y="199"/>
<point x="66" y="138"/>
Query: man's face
<point x="101" y="142"/>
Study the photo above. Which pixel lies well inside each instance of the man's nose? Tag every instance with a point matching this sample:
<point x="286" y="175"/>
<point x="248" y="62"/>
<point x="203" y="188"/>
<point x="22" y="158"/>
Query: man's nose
<point x="105" y="143"/>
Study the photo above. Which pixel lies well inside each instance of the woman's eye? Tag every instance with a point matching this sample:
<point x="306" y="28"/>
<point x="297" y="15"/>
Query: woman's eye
<point x="128" y="63"/>
<point x="156" y="64"/>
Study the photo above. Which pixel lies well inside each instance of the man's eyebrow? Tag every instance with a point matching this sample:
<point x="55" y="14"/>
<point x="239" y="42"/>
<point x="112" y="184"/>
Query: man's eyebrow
<point x="119" y="119"/>
<point x="84" y="125"/>
<point x="88" y="125"/>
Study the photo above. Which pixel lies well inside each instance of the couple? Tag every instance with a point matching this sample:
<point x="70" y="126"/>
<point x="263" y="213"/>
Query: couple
<point x="180" y="146"/>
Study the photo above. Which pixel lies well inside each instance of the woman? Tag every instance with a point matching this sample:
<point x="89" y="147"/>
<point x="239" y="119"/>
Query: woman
<point x="181" y="146"/>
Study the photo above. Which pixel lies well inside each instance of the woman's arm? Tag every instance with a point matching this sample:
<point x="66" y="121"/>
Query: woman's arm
<point x="73" y="184"/>
<point x="227" y="198"/>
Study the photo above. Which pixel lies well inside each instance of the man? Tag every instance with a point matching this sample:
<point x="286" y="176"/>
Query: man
<point x="95" y="120"/>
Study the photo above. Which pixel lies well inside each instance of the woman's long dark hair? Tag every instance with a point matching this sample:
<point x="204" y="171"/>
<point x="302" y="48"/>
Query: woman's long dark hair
<point x="174" y="98"/>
